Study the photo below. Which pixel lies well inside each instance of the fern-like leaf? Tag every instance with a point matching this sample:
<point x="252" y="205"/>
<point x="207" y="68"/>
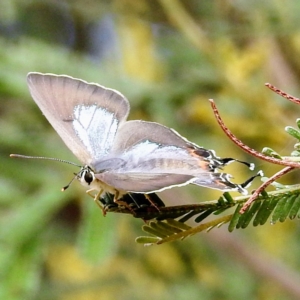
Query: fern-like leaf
<point x="276" y="206"/>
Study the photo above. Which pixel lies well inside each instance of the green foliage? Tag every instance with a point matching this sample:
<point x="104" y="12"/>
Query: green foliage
<point x="274" y="206"/>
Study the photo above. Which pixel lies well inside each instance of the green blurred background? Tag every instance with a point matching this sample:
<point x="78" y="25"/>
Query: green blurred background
<point x="168" y="57"/>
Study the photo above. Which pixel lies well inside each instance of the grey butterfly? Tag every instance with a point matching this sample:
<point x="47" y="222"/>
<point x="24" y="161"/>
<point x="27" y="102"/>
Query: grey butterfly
<point x="120" y="156"/>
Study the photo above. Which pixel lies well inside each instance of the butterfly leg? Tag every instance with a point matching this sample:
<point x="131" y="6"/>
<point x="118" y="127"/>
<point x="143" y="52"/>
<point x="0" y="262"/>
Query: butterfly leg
<point x="122" y="203"/>
<point x="148" y="197"/>
<point x="96" y="199"/>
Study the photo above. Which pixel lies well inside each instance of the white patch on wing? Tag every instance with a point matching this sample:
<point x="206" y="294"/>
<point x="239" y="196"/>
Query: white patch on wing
<point x="142" y="149"/>
<point x="96" y="128"/>
<point x="149" y="157"/>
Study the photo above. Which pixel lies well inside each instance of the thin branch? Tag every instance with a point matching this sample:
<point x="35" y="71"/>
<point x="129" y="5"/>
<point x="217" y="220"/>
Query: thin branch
<point x="264" y="186"/>
<point x="282" y="93"/>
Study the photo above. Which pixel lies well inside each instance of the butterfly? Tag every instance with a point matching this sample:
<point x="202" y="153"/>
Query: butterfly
<point x="120" y="156"/>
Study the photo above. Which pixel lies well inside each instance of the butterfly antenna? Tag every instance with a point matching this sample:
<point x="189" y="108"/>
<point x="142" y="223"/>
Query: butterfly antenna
<point x="44" y="158"/>
<point x="65" y="187"/>
<point x="50" y="158"/>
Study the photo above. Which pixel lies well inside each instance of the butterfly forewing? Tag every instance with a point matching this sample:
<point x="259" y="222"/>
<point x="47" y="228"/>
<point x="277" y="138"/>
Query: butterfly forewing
<point x="85" y="115"/>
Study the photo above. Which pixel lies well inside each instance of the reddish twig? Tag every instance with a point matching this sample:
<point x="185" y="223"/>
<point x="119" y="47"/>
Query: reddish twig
<point x="263" y="187"/>
<point x="282" y="93"/>
<point x="246" y="148"/>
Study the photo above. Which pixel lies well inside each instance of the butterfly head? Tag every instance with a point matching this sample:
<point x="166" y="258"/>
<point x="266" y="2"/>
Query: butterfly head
<point x="86" y="176"/>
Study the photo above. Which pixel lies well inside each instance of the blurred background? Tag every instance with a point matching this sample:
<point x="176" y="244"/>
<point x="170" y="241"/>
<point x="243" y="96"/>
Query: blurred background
<point x="168" y="57"/>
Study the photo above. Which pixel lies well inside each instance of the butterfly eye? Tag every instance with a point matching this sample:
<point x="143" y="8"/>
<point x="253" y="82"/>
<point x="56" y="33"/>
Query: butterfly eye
<point x="88" y="177"/>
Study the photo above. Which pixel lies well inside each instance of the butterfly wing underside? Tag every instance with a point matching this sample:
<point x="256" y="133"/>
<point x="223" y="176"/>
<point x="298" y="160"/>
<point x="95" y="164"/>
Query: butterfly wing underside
<point x="85" y="115"/>
<point x="155" y="157"/>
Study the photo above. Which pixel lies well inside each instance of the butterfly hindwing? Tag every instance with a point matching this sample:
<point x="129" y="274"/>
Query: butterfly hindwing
<point x="155" y="157"/>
